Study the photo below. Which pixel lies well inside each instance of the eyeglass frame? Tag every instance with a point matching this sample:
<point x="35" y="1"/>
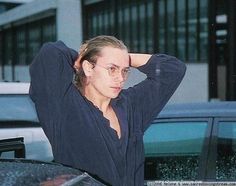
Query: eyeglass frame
<point x="124" y="72"/>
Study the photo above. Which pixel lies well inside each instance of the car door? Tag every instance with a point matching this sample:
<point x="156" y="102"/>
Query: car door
<point x="176" y="149"/>
<point x="222" y="157"/>
<point x="18" y="118"/>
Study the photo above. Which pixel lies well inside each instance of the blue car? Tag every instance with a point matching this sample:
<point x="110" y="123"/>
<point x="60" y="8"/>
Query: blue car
<point x="194" y="141"/>
<point x="186" y="142"/>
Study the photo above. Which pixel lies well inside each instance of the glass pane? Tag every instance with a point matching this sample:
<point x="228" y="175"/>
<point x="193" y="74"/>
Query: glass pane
<point x="21" y="70"/>
<point x="203" y="30"/>
<point x="49" y="30"/>
<point x="17" y="107"/>
<point x="121" y="23"/>
<point x="8" y="57"/>
<point x="192" y="23"/>
<point x="143" y="27"/>
<point x="1" y="55"/>
<point x="127" y="27"/>
<point x="171" y="27"/>
<point x="134" y="19"/>
<point x="92" y="26"/>
<point x="181" y="29"/>
<point x="21" y="46"/>
<point x="226" y="151"/>
<point x="100" y="23"/>
<point x="106" y="22"/>
<point x="172" y="150"/>
<point x="8" y="50"/>
<point x="161" y="26"/>
<point x="111" y="18"/>
<point x="34" y="41"/>
<point x="150" y="27"/>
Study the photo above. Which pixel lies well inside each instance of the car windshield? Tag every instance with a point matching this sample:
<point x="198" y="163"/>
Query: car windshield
<point x="17" y="108"/>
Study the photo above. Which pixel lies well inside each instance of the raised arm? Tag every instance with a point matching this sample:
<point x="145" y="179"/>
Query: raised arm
<point x="137" y="60"/>
<point x="164" y="74"/>
<point x="51" y="74"/>
<point x="51" y="70"/>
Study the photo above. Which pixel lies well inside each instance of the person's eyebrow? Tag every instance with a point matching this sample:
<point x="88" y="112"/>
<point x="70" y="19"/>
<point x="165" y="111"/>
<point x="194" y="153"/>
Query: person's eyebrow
<point x="112" y="64"/>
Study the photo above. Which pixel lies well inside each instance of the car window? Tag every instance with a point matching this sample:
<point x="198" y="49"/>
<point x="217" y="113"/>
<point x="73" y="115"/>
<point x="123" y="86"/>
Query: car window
<point x="17" y="107"/>
<point x="226" y="151"/>
<point x="172" y="150"/>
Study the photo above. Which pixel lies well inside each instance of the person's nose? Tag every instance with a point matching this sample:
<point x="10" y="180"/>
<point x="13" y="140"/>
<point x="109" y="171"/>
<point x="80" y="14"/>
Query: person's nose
<point x="120" y="77"/>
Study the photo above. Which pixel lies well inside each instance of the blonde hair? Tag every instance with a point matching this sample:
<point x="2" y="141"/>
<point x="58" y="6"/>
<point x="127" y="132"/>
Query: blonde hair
<point x="90" y="50"/>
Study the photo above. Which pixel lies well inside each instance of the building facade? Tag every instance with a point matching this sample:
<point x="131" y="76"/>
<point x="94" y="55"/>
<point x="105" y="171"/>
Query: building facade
<point x="199" y="32"/>
<point x="25" y="28"/>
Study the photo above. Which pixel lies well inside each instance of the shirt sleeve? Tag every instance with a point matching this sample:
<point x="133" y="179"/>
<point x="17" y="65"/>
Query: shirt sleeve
<point x="164" y="74"/>
<point x="51" y="74"/>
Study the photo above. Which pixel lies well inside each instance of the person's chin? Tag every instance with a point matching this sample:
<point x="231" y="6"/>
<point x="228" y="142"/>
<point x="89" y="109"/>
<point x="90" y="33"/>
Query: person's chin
<point x="114" y="95"/>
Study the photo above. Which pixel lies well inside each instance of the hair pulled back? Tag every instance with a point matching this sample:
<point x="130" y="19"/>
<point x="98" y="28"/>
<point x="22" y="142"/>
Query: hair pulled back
<point x="90" y="50"/>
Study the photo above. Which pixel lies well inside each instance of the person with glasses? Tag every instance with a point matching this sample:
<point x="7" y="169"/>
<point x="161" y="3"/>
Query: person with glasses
<point x="92" y="123"/>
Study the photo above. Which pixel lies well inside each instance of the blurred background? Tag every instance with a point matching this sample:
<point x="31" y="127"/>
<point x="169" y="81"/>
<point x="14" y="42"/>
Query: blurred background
<point x="202" y="33"/>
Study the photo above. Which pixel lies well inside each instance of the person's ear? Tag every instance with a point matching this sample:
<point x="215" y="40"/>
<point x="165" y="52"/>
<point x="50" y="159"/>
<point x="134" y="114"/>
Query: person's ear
<point x="87" y="67"/>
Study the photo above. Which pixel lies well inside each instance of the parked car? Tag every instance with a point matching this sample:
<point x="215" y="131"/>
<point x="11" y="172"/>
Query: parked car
<point x="25" y="152"/>
<point x="192" y="142"/>
<point x="18" y="119"/>
<point x="21" y="172"/>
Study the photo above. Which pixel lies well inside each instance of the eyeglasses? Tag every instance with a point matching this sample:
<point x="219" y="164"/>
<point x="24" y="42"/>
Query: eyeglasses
<point x="114" y="70"/>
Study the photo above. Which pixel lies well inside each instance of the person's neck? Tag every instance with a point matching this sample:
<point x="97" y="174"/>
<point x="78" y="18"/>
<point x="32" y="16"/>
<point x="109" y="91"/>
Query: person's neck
<point x="98" y="100"/>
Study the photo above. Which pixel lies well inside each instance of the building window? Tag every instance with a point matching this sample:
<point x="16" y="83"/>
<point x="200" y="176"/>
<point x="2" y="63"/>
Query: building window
<point x="176" y="27"/>
<point x="34" y="41"/>
<point x="181" y="30"/>
<point x="20" y="56"/>
<point x="127" y="20"/>
<point x="8" y="56"/>
<point x="1" y="56"/>
<point x="149" y="31"/>
<point x="203" y="30"/>
<point x="21" y="47"/>
<point x="226" y="151"/>
<point x="49" y="29"/>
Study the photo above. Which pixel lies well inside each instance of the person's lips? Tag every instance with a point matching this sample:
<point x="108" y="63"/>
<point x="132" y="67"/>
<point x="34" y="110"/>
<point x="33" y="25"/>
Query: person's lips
<point x="116" y="88"/>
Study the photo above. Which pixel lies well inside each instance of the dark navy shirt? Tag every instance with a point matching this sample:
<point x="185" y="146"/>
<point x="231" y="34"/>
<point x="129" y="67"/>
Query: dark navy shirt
<point x="79" y="134"/>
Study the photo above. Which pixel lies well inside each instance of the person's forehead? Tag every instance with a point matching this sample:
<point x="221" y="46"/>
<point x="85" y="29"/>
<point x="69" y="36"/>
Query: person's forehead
<point x="108" y="50"/>
<point x="111" y="55"/>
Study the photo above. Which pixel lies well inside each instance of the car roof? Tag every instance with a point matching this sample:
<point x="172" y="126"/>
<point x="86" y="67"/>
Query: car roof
<point x="204" y="109"/>
<point x="14" y="88"/>
<point x="17" y="107"/>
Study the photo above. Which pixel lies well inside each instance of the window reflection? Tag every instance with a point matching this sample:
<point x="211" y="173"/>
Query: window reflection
<point x="171" y="27"/>
<point x="181" y="9"/>
<point x="34" y="41"/>
<point x="49" y="30"/>
<point x="8" y="57"/>
<point x="150" y="28"/>
<point x="203" y="30"/>
<point x="20" y="67"/>
<point x="176" y="27"/>
<point x="226" y="151"/>
<point x="142" y="20"/>
<point x="192" y="29"/>
<point x="172" y="150"/>
<point x="20" y="45"/>
<point x="161" y="26"/>
<point x="1" y="56"/>
<point x="134" y="27"/>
